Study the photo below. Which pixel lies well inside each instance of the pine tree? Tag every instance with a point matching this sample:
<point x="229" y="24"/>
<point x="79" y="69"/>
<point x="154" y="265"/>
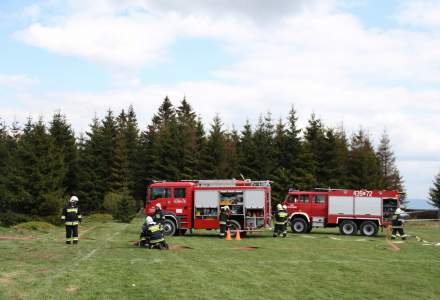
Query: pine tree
<point x="334" y="159"/>
<point x="264" y="145"/>
<point x="136" y="184"/>
<point x="39" y="173"/>
<point x="120" y="171"/>
<point x="364" y="166"/>
<point x="232" y="156"/>
<point x="247" y="152"/>
<point x="64" y="139"/>
<point x="187" y="134"/>
<point x="434" y="192"/>
<point x="314" y="139"/>
<point x="213" y="161"/>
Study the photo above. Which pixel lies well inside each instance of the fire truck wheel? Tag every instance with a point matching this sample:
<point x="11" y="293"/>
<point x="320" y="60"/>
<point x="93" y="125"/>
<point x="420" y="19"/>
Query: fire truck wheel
<point x="348" y="227"/>
<point x="299" y="225"/>
<point x="234" y="226"/>
<point x="169" y="228"/>
<point x="369" y="228"/>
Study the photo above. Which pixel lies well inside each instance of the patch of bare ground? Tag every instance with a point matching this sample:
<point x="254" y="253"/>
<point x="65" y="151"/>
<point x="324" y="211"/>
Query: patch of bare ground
<point x="246" y="248"/>
<point x="72" y="289"/>
<point x="7" y="278"/>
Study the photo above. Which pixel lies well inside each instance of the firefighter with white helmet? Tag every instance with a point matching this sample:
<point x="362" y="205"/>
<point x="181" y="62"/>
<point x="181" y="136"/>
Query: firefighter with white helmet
<point x="71" y="217"/>
<point x="281" y="217"/>
<point x="152" y="235"/>
<point x="224" y="220"/>
<point x="158" y="216"/>
<point x="397" y="224"/>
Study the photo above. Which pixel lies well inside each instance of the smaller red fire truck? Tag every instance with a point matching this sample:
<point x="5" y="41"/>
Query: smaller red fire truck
<point x="351" y="210"/>
<point x="196" y="204"/>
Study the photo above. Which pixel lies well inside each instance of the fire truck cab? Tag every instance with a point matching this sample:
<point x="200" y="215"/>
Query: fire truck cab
<point x="196" y="204"/>
<point x="350" y="210"/>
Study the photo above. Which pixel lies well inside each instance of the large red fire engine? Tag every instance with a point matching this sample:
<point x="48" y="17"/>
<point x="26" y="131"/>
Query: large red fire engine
<point x="351" y="210"/>
<point x="196" y="204"/>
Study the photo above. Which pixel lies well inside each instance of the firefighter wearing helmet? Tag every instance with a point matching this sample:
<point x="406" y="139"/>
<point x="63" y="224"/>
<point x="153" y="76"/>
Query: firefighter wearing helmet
<point x="281" y="217"/>
<point x="397" y="224"/>
<point x="71" y="217"/>
<point x="224" y="220"/>
<point x="152" y="235"/>
<point x="158" y="216"/>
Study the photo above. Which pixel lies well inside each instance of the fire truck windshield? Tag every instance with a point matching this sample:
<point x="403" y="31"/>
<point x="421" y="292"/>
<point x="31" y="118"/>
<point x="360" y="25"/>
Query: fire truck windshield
<point x="157" y="193"/>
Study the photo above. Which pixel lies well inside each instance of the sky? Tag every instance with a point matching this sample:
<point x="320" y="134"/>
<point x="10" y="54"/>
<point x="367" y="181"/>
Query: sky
<point x="367" y="64"/>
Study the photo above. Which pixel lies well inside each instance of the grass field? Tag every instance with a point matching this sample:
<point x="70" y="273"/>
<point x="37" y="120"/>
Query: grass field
<point x="321" y="265"/>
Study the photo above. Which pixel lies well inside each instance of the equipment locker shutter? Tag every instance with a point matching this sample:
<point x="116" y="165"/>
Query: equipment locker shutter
<point x="208" y="199"/>
<point x="254" y="199"/>
<point x="340" y="205"/>
<point x="368" y="206"/>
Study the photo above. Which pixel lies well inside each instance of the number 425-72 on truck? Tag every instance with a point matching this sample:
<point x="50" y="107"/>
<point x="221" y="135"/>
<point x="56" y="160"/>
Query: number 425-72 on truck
<point x="350" y="210"/>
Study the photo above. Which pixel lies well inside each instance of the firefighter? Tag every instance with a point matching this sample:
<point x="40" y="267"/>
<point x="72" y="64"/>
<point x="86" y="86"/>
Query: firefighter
<point x="158" y="216"/>
<point x="152" y="235"/>
<point x="397" y="224"/>
<point x="71" y="217"/>
<point x="280" y="222"/>
<point x="224" y="220"/>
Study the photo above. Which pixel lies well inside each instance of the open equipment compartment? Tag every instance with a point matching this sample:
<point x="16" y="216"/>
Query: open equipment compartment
<point x="254" y="209"/>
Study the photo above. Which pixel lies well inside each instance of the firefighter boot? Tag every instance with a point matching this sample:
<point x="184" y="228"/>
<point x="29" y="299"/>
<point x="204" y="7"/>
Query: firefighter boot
<point x="75" y="242"/>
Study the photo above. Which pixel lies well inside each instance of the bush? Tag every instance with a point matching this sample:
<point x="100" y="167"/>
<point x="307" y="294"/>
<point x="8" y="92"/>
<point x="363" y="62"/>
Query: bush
<point x="99" y="218"/>
<point x="111" y="201"/>
<point x="126" y="209"/>
<point x="10" y="218"/>
<point x="35" y="225"/>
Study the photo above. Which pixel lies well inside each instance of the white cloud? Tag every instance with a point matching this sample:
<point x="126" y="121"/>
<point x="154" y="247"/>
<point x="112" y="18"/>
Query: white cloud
<point x="420" y="13"/>
<point x="318" y="58"/>
<point x="16" y="81"/>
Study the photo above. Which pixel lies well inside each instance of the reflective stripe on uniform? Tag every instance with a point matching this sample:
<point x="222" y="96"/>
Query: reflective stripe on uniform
<point x="72" y="223"/>
<point x="155" y="228"/>
<point x="70" y="210"/>
<point x="222" y="223"/>
<point x="75" y="238"/>
<point x="280" y="223"/>
<point x="63" y="217"/>
<point x="79" y="216"/>
<point x="157" y="241"/>
<point x="282" y="214"/>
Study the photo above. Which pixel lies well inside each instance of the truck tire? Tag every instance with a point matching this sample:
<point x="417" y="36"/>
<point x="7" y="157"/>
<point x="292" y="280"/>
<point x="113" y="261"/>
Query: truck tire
<point x="299" y="225"/>
<point x="234" y="226"/>
<point x="348" y="227"/>
<point x="369" y="228"/>
<point x="169" y="227"/>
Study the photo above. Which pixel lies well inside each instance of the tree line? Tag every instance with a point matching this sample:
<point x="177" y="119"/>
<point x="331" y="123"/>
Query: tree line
<point x="41" y="164"/>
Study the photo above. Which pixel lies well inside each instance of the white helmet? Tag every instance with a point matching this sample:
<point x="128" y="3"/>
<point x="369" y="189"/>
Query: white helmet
<point x="74" y="199"/>
<point x="284" y="207"/>
<point x="226" y="207"/>
<point x="279" y="206"/>
<point x="158" y="205"/>
<point x="399" y="211"/>
<point x="149" y="220"/>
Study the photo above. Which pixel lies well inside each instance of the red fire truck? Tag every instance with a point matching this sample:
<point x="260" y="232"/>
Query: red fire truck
<point x="196" y="204"/>
<point x="351" y="210"/>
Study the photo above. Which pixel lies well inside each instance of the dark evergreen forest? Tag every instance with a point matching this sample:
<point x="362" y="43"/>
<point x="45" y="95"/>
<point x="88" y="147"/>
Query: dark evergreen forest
<point x="42" y="164"/>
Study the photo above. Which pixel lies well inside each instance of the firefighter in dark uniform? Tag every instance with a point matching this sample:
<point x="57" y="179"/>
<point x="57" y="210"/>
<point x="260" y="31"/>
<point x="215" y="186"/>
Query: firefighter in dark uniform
<point x="397" y="224"/>
<point x="280" y="222"/>
<point x="152" y="235"/>
<point x="158" y="216"/>
<point x="71" y="217"/>
<point x="224" y="220"/>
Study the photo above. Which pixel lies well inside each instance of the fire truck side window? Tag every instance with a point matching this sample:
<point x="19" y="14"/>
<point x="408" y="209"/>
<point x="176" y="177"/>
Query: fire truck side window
<point x="160" y="193"/>
<point x="303" y="199"/>
<point x="319" y="199"/>
<point x="179" y="193"/>
<point x="292" y="199"/>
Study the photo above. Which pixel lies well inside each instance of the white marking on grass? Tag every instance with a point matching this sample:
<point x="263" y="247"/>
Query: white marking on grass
<point x="426" y="244"/>
<point x="398" y="242"/>
<point x="335" y="238"/>
<point x="361" y="240"/>
<point x="308" y="236"/>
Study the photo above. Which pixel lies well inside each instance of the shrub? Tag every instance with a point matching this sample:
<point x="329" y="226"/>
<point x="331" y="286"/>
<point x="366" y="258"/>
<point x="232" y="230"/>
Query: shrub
<point x="126" y="209"/>
<point x="10" y="218"/>
<point x="111" y="201"/>
<point x="35" y="225"/>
